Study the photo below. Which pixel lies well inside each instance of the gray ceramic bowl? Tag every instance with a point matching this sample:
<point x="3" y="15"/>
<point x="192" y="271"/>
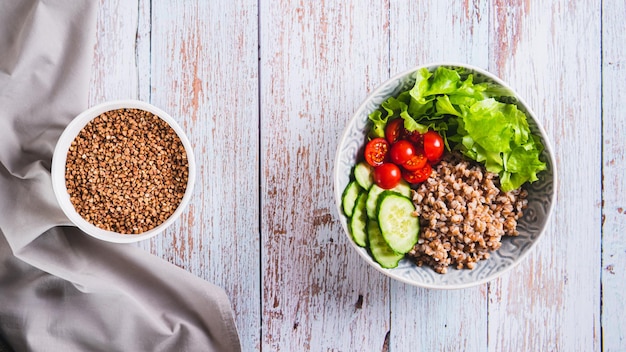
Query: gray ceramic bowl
<point x="541" y="194"/>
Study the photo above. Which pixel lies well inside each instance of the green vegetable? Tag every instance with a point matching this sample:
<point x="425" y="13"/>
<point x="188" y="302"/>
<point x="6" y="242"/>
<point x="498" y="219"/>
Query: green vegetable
<point x="497" y="135"/>
<point x="361" y="208"/>
<point x="349" y="197"/>
<point x="363" y="175"/>
<point x="374" y="192"/>
<point x="358" y="221"/>
<point x="398" y="224"/>
<point x="478" y="119"/>
<point x="380" y="250"/>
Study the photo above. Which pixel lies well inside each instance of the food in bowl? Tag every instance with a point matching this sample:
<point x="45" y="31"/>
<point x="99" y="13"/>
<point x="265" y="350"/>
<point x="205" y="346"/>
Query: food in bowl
<point x="126" y="171"/>
<point x="442" y="173"/>
<point x="463" y="214"/>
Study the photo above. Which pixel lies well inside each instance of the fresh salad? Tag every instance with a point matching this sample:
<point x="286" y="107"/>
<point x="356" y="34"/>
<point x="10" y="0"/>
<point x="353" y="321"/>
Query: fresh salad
<point x="444" y="111"/>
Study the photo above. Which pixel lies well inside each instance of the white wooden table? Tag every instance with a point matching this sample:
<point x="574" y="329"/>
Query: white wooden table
<point x="264" y="89"/>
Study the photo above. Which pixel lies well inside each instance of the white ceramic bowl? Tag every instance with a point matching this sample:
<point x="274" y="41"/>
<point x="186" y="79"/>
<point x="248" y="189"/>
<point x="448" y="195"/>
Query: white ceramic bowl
<point x="60" y="156"/>
<point x="541" y="193"/>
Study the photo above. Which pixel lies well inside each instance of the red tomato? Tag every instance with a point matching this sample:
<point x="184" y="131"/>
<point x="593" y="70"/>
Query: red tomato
<point x="433" y="146"/>
<point x="401" y="152"/>
<point x="376" y="151"/>
<point x="414" y="137"/>
<point x="394" y="130"/>
<point x="417" y="161"/>
<point x="418" y="176"/>
<point x="387" y="175"/>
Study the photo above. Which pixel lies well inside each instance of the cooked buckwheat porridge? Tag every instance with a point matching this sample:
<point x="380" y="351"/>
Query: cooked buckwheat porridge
<point x="463" y="215"/>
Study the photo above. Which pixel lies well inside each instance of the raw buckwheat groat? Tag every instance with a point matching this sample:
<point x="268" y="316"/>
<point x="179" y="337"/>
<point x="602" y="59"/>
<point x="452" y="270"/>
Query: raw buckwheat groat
<point x="126" y="171"/>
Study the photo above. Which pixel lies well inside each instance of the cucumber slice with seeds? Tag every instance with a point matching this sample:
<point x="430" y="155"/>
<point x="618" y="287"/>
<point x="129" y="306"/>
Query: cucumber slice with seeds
<point x="364" y="175"/>
<point x="380" y="250"/>
<point x="349" y="197"/>
<point x="358" y="221"/>
<point x="402" y="188"/>
<point x="398" y="224"/>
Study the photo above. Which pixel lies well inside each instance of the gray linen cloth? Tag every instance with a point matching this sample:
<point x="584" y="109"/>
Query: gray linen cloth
<point x="61" y="290"/>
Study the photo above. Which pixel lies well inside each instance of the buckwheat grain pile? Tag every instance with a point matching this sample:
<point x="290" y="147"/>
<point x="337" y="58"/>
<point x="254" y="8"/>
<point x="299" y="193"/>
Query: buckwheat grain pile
<point x="463" y="215"/>
<point x="126" y="171"/>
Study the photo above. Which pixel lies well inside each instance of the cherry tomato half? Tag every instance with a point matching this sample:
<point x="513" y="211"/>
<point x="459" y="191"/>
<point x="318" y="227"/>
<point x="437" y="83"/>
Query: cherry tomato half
<point x="418" y="176"/>
<point x="433" y="146"/>
<point x="376" y="151"/>
<point x="401" y="152"/>
<point x="394" y="130"/>
<point x="417" y="161"/>
<point x="387" y="175"/>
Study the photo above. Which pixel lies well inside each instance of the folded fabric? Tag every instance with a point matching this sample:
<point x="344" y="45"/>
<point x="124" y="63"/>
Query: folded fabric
<point x="61" y="290"/>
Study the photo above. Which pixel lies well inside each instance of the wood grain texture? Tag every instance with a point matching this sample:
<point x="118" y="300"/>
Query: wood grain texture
<point x="282" y="78"/>
<point x="551" y="56"/>
<point x="421" y="33"/>
<point x="115" y="74"/>
<point x="143" y="48"/>
<point x="204" y="73"/>
<point x="318" y="61"/>
<point x="614" y="182"/>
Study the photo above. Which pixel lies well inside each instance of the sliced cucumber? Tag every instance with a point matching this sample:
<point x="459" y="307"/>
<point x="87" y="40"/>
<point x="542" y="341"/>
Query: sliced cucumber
<point x="399" y="227"/>
<point x="349" y="197"/>
<point x="358" y="221"/>
<point x="364" y="175"/>
<point x="402" y="188"/>
<point x="381" y="252"/>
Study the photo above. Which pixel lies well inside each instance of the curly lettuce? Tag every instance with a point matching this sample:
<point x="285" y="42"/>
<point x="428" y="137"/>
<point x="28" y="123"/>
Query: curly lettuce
<point x="475" y="118"/>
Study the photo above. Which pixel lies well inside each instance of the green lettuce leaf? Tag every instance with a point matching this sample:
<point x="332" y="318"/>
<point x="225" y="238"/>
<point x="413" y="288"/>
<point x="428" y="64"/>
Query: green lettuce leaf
<point x="497" y="134"/>
<point x="444" y="81"/>
<point x="378" y="124"/>
<point x="480" y="120"/>
<point x="444" y="106"/>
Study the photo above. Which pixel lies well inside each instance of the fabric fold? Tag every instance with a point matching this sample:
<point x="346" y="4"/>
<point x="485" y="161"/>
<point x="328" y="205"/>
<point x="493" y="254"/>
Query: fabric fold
<point x="61" y="290"/>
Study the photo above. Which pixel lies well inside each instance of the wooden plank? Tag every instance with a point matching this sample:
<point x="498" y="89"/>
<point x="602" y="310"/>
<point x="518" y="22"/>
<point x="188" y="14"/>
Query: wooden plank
<point x="319" y="59"/>
<point x="614" y="184"/>
<point x="114" y="74"/>
<point x="204" y="72"/>
<point x="421" y="33"/>
<point x="142" y="49"/>
<point x="551" y="54"/>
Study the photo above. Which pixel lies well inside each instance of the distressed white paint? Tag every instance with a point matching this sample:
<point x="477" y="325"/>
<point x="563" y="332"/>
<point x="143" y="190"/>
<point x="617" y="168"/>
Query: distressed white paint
<point x="204" y="68"/>
<point x="262" y="223"/>
<point x="114" y="75"/>
<point x="614" y="169"/>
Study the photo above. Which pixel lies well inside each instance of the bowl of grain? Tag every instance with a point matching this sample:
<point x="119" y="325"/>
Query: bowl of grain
<point x="475" y="223"/>
<point x="123" y="171"/>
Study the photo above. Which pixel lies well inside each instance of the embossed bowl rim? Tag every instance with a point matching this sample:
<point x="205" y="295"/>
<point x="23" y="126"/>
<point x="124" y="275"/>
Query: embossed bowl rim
<point x="340" y="184"/>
